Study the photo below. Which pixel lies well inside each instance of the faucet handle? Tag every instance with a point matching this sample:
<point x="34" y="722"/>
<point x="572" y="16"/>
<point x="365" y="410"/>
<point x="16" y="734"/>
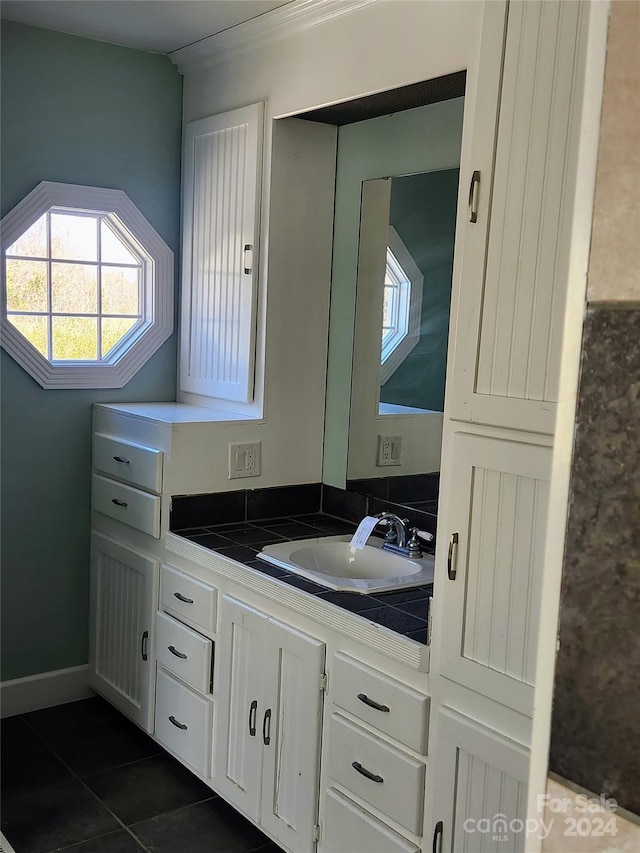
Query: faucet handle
<point x="414" y="545"/>
<point x="421" y="534"/>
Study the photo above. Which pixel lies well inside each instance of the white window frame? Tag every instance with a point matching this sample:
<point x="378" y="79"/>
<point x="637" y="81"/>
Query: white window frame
<point x="156" y="298"/>
<point x="398" y="346"/>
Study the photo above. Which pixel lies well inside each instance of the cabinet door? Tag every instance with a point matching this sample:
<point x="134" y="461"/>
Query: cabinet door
<point x="123" y="593"/>
<point x="497" y="510"/>
<point x="514" y="262"/>
<point x="480" y="788"/>
<point x="239" y="705"/>
<point x="291" y="727"/>
<point x="221" y="171"/>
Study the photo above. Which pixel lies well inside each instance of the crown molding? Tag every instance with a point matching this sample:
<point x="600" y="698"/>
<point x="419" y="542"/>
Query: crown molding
<point x="295" y="17"/>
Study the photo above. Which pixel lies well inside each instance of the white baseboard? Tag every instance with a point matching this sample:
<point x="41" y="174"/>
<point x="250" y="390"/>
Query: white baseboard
<point x="44" y="690"/>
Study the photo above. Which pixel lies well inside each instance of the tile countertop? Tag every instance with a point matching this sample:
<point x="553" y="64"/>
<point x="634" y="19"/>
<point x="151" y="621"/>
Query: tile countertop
<point x="402" y="611"/>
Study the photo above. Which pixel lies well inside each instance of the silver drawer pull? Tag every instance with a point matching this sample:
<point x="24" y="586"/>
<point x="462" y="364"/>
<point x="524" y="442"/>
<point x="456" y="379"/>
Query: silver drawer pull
<point x="175" y="652"/>
<point x="372" y="703"/>
<point x="183" y="598"/>
<point x="119" y="503"/>
<point x="364" y="772"/>
<point x="177" y="723"/>
<point x="121" y="459"/>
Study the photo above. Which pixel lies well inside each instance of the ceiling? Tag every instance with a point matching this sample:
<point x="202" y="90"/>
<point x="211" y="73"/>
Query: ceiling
<point x="158" y="26"/>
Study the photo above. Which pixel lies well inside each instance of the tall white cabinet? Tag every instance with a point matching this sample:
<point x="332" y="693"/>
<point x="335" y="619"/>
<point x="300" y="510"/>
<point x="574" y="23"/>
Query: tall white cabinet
<point x="510" y="286"/>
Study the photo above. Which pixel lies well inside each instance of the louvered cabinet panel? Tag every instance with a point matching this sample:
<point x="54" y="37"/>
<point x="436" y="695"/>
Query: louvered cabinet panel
<point x="220" y="231"/>
<point x="492" y="587"/>
<point x="507" y="361"/>
<point x="481" y="795"/>
<point x="123" y="592"/>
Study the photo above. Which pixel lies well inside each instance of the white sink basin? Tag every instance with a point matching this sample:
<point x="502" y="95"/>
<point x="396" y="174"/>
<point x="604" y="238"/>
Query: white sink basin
<point x="330" y="561"/>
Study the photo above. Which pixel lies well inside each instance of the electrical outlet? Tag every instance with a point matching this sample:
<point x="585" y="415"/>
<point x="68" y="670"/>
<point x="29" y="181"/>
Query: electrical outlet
<point x="244" y="460"/>
<point x="389" y="450"/>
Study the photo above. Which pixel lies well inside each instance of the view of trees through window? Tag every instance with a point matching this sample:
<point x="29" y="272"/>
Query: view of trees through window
<point x="73" y="285"/>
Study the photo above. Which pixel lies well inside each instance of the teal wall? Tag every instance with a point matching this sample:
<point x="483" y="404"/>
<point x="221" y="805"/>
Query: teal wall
<point x="75" y="111"/>
<point x="418" y="140"/>
<point x="423" y="212"/>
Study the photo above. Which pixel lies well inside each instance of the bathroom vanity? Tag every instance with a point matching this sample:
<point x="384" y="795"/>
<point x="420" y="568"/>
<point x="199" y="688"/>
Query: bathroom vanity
<point x="328" y="729"/>
<point x="311" y="718"/>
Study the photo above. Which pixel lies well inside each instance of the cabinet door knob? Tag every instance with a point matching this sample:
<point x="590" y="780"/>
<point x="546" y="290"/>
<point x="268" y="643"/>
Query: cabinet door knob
<point x="253" y="710"/>
<point x="437" y="834"/>
<point x="453" y="545"/>
<point x="143" y="645"/>
<point x="266" y="727"/>
<point x="367" y="773"/>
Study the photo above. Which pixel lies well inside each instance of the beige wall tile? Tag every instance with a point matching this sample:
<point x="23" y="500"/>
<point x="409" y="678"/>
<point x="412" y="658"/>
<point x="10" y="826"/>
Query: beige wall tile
<point x="614" y="269"/>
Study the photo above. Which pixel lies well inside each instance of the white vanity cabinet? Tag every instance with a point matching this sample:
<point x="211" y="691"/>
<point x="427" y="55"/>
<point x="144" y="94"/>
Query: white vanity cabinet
<point x="185" y="656"/>
<point x="123" y="595"/>
<point x="268" y="722"/>
<point x="374" y="761"/>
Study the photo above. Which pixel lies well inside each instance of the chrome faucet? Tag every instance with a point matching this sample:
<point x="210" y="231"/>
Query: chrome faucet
<point x="401" y="539"/>
<point x="397" y="534"/>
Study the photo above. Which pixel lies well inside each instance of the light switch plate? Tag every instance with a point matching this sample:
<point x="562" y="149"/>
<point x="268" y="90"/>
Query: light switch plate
<point x="389" y="450"/>
<point x="244" y="460"/>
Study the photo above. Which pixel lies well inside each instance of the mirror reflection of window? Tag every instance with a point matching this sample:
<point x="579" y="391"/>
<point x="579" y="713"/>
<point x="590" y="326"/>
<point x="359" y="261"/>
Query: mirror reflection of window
<point x="402" y="302"/>
<point x="422" y="209"/>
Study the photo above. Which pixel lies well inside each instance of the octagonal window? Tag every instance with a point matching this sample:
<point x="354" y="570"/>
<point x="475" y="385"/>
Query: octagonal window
<point x="87" y="286"/>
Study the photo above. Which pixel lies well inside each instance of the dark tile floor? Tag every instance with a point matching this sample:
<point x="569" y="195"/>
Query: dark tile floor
<point x="82" y="778"/>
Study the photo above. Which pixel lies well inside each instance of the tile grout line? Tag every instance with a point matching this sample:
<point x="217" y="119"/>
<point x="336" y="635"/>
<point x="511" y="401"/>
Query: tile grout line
<point x="84" y="785"/>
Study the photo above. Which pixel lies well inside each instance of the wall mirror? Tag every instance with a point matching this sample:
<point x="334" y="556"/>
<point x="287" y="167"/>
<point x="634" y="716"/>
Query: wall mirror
<point x="394" y="230"/>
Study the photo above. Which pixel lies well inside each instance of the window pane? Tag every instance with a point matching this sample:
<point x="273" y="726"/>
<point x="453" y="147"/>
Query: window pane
<point x="34" y="329"/>
<point x="120" y="294"/>
<point x="26" y="286"/>
<point x="74" y="288"/>
<point x="74" y="237"/>
<point x="113" y="250"/>
<point x="74" y="338"/>
<point x="33" y="243"/>
<point x="113" y="330"/>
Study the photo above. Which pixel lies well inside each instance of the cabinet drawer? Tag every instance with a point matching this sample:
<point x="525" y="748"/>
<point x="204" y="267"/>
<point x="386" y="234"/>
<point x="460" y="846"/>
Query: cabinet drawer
<point x="133" y="463"/>
<point x="397" y="788"/>
<point x="183" y="723"/>
<point x="393" y="708"/>
<point x="184" y="652"/>
<point x="188" y="598"/>
<point x="348" y="827"/>
<point x="124" y="503"/>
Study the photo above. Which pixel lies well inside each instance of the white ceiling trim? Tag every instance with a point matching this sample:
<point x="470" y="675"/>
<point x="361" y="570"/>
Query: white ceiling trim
<point x="268" y="28"/>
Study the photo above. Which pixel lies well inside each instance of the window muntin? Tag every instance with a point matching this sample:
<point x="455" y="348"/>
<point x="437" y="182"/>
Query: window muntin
<point x="87" y="286"/>
<point x="74" y="286"/>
